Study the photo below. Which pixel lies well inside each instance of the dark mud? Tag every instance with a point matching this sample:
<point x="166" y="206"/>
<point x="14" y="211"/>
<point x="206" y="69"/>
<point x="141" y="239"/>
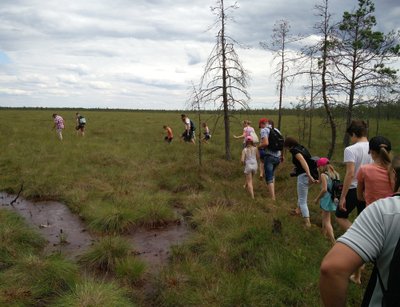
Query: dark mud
<point x="56" y="223"/>
<point x="63" y="230"/>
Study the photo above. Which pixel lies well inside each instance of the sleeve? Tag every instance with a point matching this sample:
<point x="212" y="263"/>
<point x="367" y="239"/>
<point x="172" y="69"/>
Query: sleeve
<point x="348" y="156"/>
<point x="367" y="235"/>
<point x="264" y="133"/>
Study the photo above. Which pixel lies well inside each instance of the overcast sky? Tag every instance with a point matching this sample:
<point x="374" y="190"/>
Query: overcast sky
<point x="139" y="54"/>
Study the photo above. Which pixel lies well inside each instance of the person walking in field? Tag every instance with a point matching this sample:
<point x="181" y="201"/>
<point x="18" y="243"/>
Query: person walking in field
<point x="326" y="175"/>
<point x="248" y="130"/>
<point x="188" y="133"/>
<point x="168" y="138"/>
<point x="58" y="125"/>
<point x="80" y="124"/>
<point x="206" y="133"/>
<point x="272" y="154"/>
<point x="301" y="159"/>
<point x="249" y="159"/>
<point x="354" y="156"/>
<point x="375" y="181"/>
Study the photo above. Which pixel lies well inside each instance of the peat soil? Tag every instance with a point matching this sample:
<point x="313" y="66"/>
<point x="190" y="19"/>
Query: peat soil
<point x="66" y="232"/>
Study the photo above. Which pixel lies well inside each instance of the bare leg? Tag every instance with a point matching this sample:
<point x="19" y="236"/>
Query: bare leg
<point x="271" y="189"/>
<point x="343" y="223"/>
<point x="327" y="226"/>
<point x="261" y="169"/>
<point x="249" y="184"/>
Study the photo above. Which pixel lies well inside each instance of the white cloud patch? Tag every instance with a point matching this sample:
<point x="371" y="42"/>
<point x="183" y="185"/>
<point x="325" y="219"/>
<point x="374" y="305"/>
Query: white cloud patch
<point x="138" y="54"/>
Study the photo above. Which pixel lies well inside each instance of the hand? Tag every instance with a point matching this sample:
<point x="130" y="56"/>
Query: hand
<point x="316" y="201"/>
<point x="342" y="205"/>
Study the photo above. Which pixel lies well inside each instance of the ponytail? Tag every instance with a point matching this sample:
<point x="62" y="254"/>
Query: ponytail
<point x="395" y="166"/>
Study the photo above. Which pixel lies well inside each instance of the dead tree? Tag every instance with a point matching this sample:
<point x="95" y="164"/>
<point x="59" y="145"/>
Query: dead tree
<point x="224" y="80"/>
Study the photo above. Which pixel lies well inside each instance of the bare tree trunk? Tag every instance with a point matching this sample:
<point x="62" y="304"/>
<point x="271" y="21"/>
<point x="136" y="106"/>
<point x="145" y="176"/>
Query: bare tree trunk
<point x="311" y="112"/>
<point x="281" y="84"/>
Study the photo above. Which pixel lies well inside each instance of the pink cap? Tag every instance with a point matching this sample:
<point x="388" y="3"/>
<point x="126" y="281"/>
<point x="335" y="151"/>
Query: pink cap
<point x="322" y="162"/>
<point x="249" y="138"/>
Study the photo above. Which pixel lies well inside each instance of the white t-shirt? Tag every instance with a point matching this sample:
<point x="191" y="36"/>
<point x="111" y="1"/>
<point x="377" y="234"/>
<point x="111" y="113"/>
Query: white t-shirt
<point x="374" y="235"/>
<point x="357" y="154"/>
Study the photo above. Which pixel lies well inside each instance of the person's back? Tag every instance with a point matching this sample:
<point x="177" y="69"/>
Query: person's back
<point x="376" y="182"/>
<point x="358" y="154"/>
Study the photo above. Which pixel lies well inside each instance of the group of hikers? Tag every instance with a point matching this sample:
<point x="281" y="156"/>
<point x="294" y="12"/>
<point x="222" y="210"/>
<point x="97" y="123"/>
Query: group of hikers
<point x="59" y="124"/>
<point x="188" y="134"/>
<point x="371" y="182"/>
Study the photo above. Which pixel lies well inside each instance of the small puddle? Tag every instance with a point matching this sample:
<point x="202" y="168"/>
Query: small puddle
<point x="54" y="220"/>
<point x="55" y="223"/>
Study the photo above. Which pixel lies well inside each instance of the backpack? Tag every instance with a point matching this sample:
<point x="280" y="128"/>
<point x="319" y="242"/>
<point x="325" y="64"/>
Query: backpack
<point x="275" y="140"/>
<point x="254" y="135"/>
<point x="311" y="161"/>
<point x="192" y="126"/>
<point x="82" y="120"/>
<point x="391" y="295"/>
<point x="336" y="189"/>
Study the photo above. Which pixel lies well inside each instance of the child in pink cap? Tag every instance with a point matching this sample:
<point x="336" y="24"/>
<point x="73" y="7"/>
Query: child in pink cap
<point x="324" y="198"/>
<point x="250" y="158"/>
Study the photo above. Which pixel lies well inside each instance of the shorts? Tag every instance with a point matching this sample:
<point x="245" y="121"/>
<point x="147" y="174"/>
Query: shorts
<point x="261" y="151"/>
<point x="250" y="168"/>
<point x="207" y="136"/>
<point x="80" y="127"/>
<point x="352" y="202"/>
<point x="168" y="139"/>
<point x="188" y="137"/>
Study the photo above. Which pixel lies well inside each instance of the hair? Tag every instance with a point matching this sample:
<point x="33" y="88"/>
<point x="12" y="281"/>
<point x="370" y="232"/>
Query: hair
<point x="204" y="124"/>
<point x="290" y="142"/>
<point x="271" y="122"/>
<point x="357" y="127"/>
<point x="183" y="115"/>
<point x="54" y="115"/>
<point x="329" y="170"/>
<point x="246" y="122"/>
<point x="395" y="166"/>
<point x="164" y="126"/>
<point x="382" y="147"/>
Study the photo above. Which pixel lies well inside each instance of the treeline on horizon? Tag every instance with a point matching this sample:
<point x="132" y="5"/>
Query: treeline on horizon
<point x="384" y="111"/>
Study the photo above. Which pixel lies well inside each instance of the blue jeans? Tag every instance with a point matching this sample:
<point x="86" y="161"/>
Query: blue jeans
<point x="270" y="164"/>
<point x="302" y="193"/>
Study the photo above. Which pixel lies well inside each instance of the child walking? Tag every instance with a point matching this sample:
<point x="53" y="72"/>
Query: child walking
<point x="327" y="205"/>
<point x="206" y="133"/>
<point x="168" y="138"/>
<point x="249" y="158"/>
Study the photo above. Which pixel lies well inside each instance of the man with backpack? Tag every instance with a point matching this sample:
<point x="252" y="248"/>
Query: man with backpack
<point x="188" y="133"/>
<point x="272" y="144"/>
<point x="80" y="124"/>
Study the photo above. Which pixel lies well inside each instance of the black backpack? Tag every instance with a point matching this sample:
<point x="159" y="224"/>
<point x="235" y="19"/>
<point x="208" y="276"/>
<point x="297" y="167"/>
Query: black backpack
<point x="336" y="189"/>
<point x="391" y="295"/>
<point x="311" y="161"/>
<point x="275" y="140"/>
<point x="192" y="126"/>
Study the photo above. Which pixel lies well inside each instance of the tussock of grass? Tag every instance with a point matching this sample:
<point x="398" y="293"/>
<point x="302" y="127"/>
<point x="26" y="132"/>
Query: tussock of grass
<point x="130" y="270"/>
<point x="91" y="293"/>
<point x="106" y="253"/>
<point x="16" y="238"/>
<point x="46" y="277"/>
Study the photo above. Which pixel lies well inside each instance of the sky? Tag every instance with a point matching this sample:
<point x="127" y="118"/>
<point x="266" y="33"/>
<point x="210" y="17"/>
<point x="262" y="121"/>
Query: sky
<point x="138" y="54"/>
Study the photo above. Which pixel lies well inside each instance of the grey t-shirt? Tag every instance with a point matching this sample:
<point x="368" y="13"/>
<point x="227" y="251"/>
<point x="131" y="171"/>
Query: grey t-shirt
<point x="374" y="235"/>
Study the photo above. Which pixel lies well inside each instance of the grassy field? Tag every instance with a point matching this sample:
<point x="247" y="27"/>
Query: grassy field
<point x="122" y="175"/>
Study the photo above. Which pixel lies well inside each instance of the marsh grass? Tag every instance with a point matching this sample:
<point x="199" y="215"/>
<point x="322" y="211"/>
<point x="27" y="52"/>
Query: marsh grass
<point x="34" y="280"/>
<point x="130" y="270"/>
<point x="16" y="238"/>
<point x="105" y="254"/>
<point x="92" y="293"/>
<point x="122" y="175"/>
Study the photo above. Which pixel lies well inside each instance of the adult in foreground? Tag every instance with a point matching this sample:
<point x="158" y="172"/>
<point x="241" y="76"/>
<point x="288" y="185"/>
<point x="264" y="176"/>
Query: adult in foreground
<point x="354" y="156"/>
<point x="58" y="125"/>
<point x="300" y="158"/>
<point x="372" y="238"/>
<point x="271" y="158"/>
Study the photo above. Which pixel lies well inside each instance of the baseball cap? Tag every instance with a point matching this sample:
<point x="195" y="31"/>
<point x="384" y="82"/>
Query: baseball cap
<point x="262" y="121"/>
<point x="249" y="138"/>
<point x="377" y="142"/>
<point x="322" y="162"/>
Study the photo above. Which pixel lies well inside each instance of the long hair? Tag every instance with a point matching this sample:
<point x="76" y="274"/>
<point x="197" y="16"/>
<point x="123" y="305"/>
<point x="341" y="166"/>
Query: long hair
<point x="395" y="166"/>
<point x="329" y="170"/>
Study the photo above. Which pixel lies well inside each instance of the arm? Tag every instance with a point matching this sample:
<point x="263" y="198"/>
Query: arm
<point x="350" y="170"/>
<point x="324" y="188"/>
<point x="243" y="156"/>
<point x="264" y="140"/>
<point x="336" y="268"/>
<point x="304" y="165"/>
<point x="360" y="187"/>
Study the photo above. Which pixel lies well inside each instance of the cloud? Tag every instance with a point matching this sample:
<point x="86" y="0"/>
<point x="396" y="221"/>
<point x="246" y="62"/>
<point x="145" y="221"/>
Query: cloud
<point x="142" y="53"/>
